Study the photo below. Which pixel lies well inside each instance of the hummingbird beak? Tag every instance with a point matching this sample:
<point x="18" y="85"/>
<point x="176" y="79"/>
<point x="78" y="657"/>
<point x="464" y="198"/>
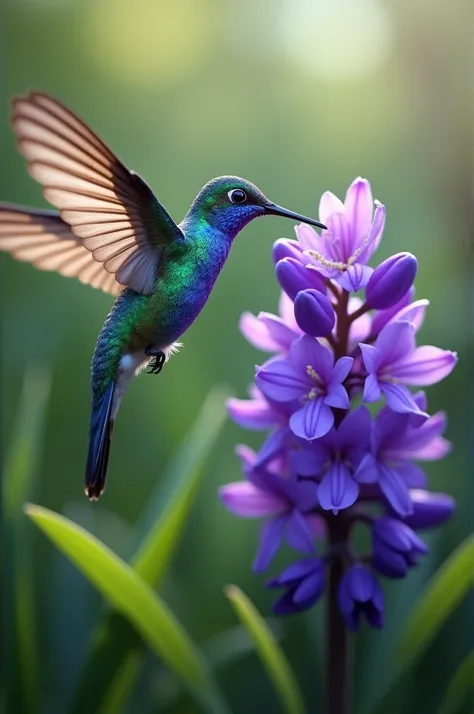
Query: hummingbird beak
<point x="273" y="210"/>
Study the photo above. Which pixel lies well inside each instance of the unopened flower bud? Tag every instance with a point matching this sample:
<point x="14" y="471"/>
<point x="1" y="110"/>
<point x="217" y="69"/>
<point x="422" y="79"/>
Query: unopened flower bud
<point x="314" y="313"/>
<point x="293" y="276"/>
<point x="429" y="509"/>
<point x="286" y="248"/>
<point x="391" y="280"/>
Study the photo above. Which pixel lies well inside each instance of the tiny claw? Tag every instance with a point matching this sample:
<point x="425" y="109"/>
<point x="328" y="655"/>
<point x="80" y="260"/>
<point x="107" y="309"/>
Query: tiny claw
<point x="156" y="364"/>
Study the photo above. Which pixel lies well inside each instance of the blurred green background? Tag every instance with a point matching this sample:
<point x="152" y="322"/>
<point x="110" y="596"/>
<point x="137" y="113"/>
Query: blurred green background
<point x="298" y="96"/>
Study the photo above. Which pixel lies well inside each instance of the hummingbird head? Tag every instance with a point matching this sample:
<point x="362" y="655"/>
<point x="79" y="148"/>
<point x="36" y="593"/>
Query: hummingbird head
<point x="228" y="203"/>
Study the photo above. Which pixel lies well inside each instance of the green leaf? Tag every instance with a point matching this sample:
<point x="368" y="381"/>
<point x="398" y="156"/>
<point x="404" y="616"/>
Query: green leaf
<point x="442" y="594"/>
<point x="134" y="599"/>
<point x="157" y="536"/>
<point x="162" y="525"/>
<point x="460" y="686"/>
<point x="270" y="653"/>
<point x="20" y="625"/>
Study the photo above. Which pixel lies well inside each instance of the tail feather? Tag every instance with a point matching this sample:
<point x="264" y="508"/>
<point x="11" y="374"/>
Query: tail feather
<point x="99" y="444"/>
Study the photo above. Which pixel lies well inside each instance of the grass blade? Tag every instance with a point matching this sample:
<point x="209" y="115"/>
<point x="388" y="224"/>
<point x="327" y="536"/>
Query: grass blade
<point x="442" y="594"/>
<point x="134" y="599"/>
<point x="157" y="536"/>
<point x="270" y="653"/>
<point x="21" y="650"/>
<point x="460" y="686"/>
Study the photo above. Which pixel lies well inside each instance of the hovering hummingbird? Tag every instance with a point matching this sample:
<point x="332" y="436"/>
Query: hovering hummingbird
<point x="113" y="233"/>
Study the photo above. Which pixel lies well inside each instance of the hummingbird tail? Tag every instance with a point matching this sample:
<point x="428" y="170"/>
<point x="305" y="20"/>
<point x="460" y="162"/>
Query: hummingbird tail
<point x="99" y="444"/>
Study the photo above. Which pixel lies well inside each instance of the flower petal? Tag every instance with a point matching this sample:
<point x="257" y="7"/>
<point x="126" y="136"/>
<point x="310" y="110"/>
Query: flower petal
<point x="286" y="310"/>
<point x="298" y="534"/>
<point x="273" y="445"/>
<point x="429" y="509"/>
<point x="252" y="413"/>
<point x="244" y="499"/>
<point x="359" y="207"/>
<point x="337" y="397"/>
<point x="426" y="365"/>
<point x="270" y="540"/>
<point x="282" y="381"/>
<point x="382" y="317"/>
<point x="372" y="392"/>
<point x="370" y="357"/>
<point x="309" y="462"/>
<point x="395" y="490"/>
<point x="355" y="429"/>
<point x="355" y="277"/>
<point x="400" y="399"/>
<point x="256" y="332"/>
<point x="338" y="489"/>
<point x="368" y="470"/>
<point x="306" y="351"/>
<point x="313" y="420"/>
<point x="281" y="333"/>
<point x="296" y="571"/>
<point x="414" y="313"/>
<point x="329" y="204"/>
<point x="308" y="238"/>
<point x="375" y="233"/>
<point x="340" y="370"/>
<point x="310" y="588"/>
<point x="395" y="342"/>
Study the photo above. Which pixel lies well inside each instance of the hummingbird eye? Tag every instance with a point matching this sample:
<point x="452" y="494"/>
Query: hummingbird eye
<point x="237" y="196"/>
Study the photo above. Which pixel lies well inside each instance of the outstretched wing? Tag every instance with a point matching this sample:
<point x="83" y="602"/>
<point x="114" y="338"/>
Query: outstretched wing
<point x="110" y="208"/>
<point x="44" y="239"/>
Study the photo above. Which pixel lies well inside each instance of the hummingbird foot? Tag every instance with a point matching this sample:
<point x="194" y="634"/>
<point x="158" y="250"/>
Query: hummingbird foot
<point x="156" y="364"/>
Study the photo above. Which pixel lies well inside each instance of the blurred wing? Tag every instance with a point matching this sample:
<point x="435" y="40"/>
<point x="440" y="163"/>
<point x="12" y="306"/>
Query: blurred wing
<point x="110" y="208"/>
<point x="44" y="239"/>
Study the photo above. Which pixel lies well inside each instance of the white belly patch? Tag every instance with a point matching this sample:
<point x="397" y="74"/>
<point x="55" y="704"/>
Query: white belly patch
<point x="131" y="364"/>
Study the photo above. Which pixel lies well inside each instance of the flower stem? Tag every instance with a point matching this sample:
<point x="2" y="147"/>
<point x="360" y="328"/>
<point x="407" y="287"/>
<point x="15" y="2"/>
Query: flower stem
<point x="337" y="665"/>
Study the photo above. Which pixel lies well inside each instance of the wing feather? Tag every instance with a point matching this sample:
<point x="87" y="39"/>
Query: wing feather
<point x="45" y="240"/>
<point x="111" y="210"/>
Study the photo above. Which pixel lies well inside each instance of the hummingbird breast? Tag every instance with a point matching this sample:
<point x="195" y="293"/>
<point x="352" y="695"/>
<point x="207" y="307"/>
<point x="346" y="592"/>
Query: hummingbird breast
<point x="184" y="283"/>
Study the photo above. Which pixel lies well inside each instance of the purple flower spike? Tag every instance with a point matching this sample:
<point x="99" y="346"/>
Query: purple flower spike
<point x="314" y="313"/>
<point x="429" y="509"/>
<point x="394" y="362"/>
<point x="395" y="547"/>
<point x="310" y="379"/>
<point x="360" y="594"/>
<point x="326" y="462"/>
<point x="391" y="281"/>
<point x="293" y="276"/>
<point x="304" y="584"/>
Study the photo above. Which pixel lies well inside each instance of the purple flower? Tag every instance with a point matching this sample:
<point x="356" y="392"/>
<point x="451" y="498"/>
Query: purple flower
<point x="333" y="460"/>
<point x="394" y="361"/>
<point x="327" y="463"/>
<point x="353" y="233"/>
<point x="268" y="332"/>
<point x="282" y="501"/>
<point x="429" y="509"/>
<point x="396" y="547"/>
<point x="310" y="379"/>
<point x="257" y="412"/>
<point x="359" y="594"/>
<point x="396" y="441"/>
<point x="314" y="313"/>
<point x="391" y="281"/>
<point x="294" y="276"/>
<point x="303" y="582"/>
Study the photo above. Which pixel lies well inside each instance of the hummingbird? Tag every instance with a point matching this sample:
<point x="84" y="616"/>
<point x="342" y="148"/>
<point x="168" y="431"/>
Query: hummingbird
<point x="110" y="231"/>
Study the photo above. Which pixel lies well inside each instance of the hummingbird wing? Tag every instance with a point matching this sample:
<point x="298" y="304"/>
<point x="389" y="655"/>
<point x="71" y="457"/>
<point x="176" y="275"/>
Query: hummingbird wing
<point x="44" y="239"/>
<point x="109" y="207"/>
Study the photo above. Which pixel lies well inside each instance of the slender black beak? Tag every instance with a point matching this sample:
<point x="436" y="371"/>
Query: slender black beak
<point x="273" y="210"/>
